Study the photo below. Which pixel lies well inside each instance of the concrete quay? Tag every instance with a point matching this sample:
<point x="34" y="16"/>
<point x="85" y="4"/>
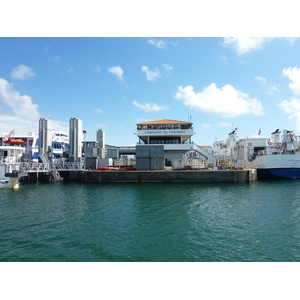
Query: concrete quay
<point x="168" y="176"/>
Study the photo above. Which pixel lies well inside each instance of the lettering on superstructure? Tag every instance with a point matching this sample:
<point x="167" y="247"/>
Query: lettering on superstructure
<point x="165" y="131"/>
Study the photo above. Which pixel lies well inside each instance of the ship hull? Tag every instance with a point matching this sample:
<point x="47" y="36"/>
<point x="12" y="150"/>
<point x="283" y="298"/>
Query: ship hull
<point x="278" y="173"/>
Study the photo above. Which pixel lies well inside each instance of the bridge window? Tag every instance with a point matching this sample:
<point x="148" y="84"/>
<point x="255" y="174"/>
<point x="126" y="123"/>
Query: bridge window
<point x="174" y="140"/>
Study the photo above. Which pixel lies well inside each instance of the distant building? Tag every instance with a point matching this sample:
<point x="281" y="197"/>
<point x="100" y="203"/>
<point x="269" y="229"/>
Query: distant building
<point x="174" y="135"/>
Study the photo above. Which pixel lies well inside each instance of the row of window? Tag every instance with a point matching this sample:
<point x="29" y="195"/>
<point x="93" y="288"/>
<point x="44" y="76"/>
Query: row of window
<point x="175" y="140"/>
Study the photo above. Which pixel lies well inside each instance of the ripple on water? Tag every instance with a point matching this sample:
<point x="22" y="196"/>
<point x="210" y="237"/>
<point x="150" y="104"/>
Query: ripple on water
<point x="151" y="222"/>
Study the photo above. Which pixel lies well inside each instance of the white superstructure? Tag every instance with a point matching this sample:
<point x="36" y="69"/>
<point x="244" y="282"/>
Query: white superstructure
<point x="15" y="148"/>
<point x="277" y="156"/>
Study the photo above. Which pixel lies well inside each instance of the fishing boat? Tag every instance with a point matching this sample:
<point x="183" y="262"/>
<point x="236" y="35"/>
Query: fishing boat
<point x="277" y="157"/>
<point x="15" y="149"/>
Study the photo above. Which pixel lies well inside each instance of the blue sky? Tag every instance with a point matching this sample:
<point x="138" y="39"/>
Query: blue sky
<point x="113" y="83"/>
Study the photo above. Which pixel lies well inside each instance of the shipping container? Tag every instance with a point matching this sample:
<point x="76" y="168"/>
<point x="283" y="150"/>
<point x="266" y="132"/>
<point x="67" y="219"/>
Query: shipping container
<point x="91" y="152"/>
<point x="157" y="164"/>
<point x="112" y="153"/>
<point x="91" y="163"/>
<point x="142" y="151"/>
<point x="101" y="152"/>
<point x="105" y="162"/>
<point x="142" y="164"/>
<point x="156" y="151"/>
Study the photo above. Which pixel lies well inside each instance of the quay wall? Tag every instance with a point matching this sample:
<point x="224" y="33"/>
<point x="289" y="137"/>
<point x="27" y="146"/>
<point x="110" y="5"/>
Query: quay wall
<point x="204" y="176"/>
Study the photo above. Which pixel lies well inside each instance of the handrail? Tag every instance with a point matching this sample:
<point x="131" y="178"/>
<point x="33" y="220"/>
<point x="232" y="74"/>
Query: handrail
<point x="49" y="167"/>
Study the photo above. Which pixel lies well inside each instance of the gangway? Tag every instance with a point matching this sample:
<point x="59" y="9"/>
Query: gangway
<point x="31" y="167"/>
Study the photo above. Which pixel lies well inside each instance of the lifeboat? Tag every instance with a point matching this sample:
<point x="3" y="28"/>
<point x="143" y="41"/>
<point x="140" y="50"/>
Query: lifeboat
<point x="16" y="141"/>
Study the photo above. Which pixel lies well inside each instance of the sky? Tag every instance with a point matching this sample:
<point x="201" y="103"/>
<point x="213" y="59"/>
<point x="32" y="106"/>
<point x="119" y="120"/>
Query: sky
<point x="113" y="83"/>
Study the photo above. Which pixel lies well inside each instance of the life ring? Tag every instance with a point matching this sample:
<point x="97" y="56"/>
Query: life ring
<point x="269" y="143"/>
<point x="250" y="144"/>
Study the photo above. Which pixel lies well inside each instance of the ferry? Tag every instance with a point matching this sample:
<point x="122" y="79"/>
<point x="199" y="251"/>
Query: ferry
<point x="277" y="157"/>
<point x="16" y="148"/>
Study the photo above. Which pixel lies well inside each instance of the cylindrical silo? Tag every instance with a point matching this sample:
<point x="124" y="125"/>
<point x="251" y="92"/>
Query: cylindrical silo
<point x="75" y="134"/>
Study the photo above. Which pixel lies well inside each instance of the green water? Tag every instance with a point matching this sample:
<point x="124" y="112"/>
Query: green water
<point x="62" y="222"/>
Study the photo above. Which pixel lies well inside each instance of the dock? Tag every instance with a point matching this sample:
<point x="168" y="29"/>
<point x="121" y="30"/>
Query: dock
<point x="168" y="176"/>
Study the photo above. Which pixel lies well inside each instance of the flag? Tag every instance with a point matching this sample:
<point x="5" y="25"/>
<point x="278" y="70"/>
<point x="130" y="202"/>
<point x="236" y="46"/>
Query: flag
<point x="259" y="132"/>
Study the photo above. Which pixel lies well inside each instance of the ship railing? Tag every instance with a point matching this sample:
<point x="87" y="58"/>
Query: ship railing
<point x="66" y="166"/>
<point x="49" y="167"/>
<point x="32" y="167"/>
<point x="12" y="168"/>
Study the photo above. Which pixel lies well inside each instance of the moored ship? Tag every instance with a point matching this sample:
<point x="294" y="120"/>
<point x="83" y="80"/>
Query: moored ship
<point x="274" y="158"/>
<point x="15" y="149"/>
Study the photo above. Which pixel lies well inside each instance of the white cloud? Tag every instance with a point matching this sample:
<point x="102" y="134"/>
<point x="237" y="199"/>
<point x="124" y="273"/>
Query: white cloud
<point x="291" y="40"/>
<point x="294" y="75"/>
<point x="167" y="68"/>
<point x="20" y="126"/>
<point x="60" y="125"/>
<point x="261" y="80"/>
<point x="272" y="88"/>
<point x="207" y="126"/>
<point x="140" y="120"/>
<point x="224" y="58"/>
<point x="55" y="58"/>
<point x="224" y="124"/>
<point x="160" y="44"/>
<point x="19" y="113"/>
<point x="70" y="70"/>
<point x="22" y="72"/>
<point x="24" y="115"/>
<point x="149" y="106"/>
<point x="226" y="102"/>
<point x="22" y="106"/>
<point x="292" y="108"/>
<point x="100" y="111"/>
<point x="245" y="44"/>
<point x="101" y="125"/>
<point x="52" y="56"/>
<point x="151" y="75"/>
<point x="97" y="69"/>
<point x="117" y="71"/>
<point x="46" y="49"/>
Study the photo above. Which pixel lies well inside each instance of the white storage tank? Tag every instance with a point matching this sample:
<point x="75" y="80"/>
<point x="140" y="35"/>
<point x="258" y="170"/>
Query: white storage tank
<point x="45" y="136"/>
<point x="76" y="133"/>
<point x="101" y="138"/>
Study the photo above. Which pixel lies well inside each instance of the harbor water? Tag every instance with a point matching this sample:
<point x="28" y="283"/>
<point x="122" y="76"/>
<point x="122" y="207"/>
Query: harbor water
<point x="72" y="222"/>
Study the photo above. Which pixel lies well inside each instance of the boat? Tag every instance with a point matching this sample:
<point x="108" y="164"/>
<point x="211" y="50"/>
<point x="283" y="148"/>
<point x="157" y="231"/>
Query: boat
<point x="15" y="149"/>
<point x="277" y="157"/>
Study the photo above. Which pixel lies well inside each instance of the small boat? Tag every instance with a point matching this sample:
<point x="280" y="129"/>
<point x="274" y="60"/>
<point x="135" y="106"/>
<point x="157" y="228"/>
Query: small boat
<point x="15" y="141"/>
